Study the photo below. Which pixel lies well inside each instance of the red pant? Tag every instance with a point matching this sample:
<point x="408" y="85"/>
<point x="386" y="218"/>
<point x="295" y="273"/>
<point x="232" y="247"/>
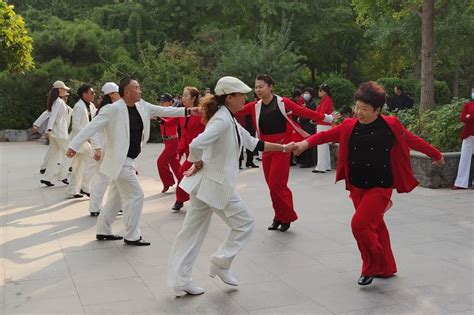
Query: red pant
<point x="370" y="232"/>
<point x="168" y="158"/>
<point x="276" y="168"/>
<point x="181" y="195"/>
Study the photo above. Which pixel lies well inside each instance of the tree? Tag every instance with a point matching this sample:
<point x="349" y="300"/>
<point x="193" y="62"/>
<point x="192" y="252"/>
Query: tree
<point x="15" y="43"/>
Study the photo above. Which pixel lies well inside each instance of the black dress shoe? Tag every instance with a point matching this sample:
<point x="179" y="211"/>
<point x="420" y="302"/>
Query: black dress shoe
<point x="103" y="237"/>
<point x="138" y="242"/>
<point x="365" y="280"/>
<point x="285" y="226"/>
<point x="315" y="171"/>
<point x="47" y="183"/>
<point x="274" y="225"/>
<point x="65" y="181"/>
<point x="252" y="165"/>
<point x="94" y="214"/>
<point x="42" y="171"/>
<point x="85" y="193"/>
<point x="75" y="196"/>
<point x="177" y="206"/>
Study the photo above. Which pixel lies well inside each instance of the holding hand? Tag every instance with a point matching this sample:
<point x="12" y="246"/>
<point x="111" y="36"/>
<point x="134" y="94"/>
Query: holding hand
<point x="335" y="115"/>
<point x="439" y="163"/>
<point x="299" y="147"/>
<point x="97" y="154"/>
<point x="70" y="153"/>
<point x="34" y="129"/>
<point x="194" y="111"/>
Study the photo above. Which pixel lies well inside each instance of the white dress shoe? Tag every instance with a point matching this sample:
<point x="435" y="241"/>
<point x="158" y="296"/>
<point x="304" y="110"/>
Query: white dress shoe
<point x="191" y="289"/>
<point x="224" y="274"/>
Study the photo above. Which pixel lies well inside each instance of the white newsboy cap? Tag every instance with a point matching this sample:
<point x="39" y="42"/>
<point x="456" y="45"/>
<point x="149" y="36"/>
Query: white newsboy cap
<point x="60" y="85"/>
<point x="229" y="85"/>
<point x="110" y="87"/>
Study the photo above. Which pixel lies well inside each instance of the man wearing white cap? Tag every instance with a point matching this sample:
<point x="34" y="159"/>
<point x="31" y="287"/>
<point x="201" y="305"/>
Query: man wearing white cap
<point x="100" y="181"/>
<point x="83" y="163"/>
<point x="126" y="124"/>
<point x="211" y="184"/>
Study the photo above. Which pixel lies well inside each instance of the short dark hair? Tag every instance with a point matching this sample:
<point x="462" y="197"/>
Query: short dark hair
<point x="326" y="88"/>
<point x="83" y="89"/>
<point x="123" y="84"/>
<point x="371" y="93"/>
<point x="346" y="110"/>
<point x="399" y="87"/>
<point x="265" y="78"/>
<point x="310" y="90"/>
<point x="296" y="93"/>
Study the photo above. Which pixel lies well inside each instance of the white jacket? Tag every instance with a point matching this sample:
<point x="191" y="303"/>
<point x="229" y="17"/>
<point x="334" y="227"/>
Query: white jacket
<point x="59" y="119"/>
<point x="217" y="146"/>
<point x="113" y="119"/>
<point x="80" y="119"/>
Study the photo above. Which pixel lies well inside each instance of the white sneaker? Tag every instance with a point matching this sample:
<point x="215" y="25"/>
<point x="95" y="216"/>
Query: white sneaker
<point x="224" y="274"/>
<point x="191" y="289"/>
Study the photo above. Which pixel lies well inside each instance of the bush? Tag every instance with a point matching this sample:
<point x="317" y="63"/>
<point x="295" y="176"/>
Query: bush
<point x="440" y="127"/>
<point x="342" y="90"/>
<point x="442" y="92"/>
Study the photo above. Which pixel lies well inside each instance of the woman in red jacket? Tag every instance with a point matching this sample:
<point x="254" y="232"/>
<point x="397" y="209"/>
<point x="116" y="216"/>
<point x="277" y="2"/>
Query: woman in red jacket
<point x="168" y="158"/>
<point x="374" y="158"/>
<point x="325" y="106"/>
<point x="272" y="117"/>
<point x="191" y="127"/>
<point x="467" y="147"/>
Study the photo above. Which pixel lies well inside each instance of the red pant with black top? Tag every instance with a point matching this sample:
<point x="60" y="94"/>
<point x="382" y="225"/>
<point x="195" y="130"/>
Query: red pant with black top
<point x="370" y="231"/>
<point x="276" y="168"/>
<point x="168" y="159"/>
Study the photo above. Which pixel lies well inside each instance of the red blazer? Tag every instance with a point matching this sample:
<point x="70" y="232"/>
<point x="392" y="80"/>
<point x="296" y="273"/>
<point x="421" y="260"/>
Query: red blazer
<point x="290" y="106"/>
<point x="468" y="129"/>
<point x="169" y="127"/>
<point x="403" y="179"/>
<point x="189" y="131"/>
<point x="325" y="106"/>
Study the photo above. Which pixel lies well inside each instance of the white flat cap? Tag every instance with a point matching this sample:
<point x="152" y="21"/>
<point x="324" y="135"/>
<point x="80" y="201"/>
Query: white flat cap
<point x="229" y="85"/>
<point x="109" y="87"/>
<point x="60" y="85"/>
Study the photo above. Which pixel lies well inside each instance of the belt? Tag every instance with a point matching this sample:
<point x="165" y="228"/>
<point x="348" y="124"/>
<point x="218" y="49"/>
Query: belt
<point x="169" y="137"/>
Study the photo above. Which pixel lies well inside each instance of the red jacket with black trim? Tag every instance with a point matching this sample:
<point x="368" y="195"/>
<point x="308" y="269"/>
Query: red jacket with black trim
<point x="403" y="179"/>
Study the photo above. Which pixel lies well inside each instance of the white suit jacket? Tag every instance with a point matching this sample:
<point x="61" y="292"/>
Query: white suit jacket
<point x="59" y="119"/>
<point x="114" y="120"/>
<point x="80" y="119"/>
<point x="217" y="146"/>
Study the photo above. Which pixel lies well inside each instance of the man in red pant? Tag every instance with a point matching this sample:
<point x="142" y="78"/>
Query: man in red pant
<point x="374" y="158"/>
<point x="169" y="157"/>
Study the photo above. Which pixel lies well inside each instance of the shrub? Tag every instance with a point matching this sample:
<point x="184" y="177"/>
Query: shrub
<point x="440" y="127"/>
<point x="442" y="92"/>
<point x="342" y="90"/>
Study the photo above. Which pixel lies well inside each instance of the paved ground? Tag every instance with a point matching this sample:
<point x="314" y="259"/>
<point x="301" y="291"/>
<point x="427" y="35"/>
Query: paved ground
<point x="50" y="262"/>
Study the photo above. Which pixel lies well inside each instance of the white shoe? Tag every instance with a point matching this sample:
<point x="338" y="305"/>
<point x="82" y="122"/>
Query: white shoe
<point x="224" y="274"/>
<point x="191" y="289"/>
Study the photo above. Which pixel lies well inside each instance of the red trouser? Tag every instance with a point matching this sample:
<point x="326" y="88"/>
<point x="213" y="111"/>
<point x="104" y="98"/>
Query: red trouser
<point x="276" y="168"/>
<point x="181" y="195"/>
<point x="370" y="232"/>
<point x="168" y="158"/>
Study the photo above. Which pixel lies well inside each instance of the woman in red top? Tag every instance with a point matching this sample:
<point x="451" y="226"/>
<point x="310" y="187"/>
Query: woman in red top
<point x="272" y="117"/>
<point x="169" y="157"/>
<point x="374" y="158"/>
<point x="325" y="106"/>
<point x="467" y="147"/>
<point x="191" y="127"/>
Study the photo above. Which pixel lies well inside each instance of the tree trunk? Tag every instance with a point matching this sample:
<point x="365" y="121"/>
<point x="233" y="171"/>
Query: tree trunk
<point x="427" y="52"/>
<point x="456" y="83"/>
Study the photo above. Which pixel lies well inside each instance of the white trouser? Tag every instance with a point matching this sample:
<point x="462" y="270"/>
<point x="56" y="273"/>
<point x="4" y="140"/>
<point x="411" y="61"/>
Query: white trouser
<point x="464" y="168"/>
<point x="58" y="164"/>
<point x="99" y="184"/>
<point x="83" y="167"/>
<point x="125" y="192"/>
<point x="48" y="156"/>
<point x="195" y="226"/>
<point x="324" y="156"/>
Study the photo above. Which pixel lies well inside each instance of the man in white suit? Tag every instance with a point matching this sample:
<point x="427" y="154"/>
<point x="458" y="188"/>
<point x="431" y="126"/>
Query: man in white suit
<point x="211" y="184"/>
<point x="83" y="163"/>
<point x="126" y="123"/>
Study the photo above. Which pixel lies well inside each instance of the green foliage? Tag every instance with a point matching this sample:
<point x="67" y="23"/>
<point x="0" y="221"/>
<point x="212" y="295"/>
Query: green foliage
<point x="342" y="90"/>
<point x="442" y="92"/>
<point x="15" y="43"/>
<point x="441" y="127"/>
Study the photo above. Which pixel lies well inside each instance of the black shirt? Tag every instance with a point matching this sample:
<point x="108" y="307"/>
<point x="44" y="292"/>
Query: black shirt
<point x="271" y="119"/>
<point x="369" y="155"/>
<point x="136" y="132"/>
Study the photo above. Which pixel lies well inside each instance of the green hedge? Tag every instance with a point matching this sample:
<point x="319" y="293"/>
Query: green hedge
<point x="440" y="127"/>
<point x="441" y="89"/>
<point x="342" y="91"/>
